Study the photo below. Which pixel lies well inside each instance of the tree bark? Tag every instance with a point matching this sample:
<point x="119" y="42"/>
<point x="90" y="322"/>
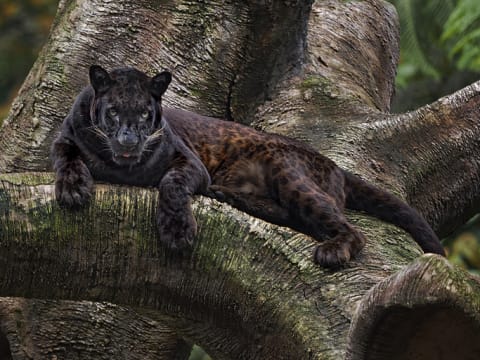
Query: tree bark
<point x="320" y="71"/>
<point x="53" y="329"/>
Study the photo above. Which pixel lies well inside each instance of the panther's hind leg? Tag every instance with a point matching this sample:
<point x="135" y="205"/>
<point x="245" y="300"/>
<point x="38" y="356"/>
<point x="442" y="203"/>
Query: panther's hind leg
<point x="320" y="216"/>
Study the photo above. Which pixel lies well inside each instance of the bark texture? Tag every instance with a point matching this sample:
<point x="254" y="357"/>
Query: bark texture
<point x="53" y="329"/>
<point x="320" y="71"/>
<point x="425" y="311"/>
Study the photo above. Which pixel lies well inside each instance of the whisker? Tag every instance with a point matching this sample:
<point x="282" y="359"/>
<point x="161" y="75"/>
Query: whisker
<point x="106" y="148"/>
<point x="155" y="136"/>
<point x="147" y="150"/>
<point x="104" y="140"/>
<point x="97" y="131"/>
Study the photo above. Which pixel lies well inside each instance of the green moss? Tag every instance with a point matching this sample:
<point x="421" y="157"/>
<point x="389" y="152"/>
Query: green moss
<point x="132" y="29"/>
<point x="312" y="82"/>
<point x="319" y="87"/>
<point x="29" y="178"/>
<point x="196" y="92"/>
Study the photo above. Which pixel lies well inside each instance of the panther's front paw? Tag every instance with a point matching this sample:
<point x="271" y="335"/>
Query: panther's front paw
<point x="177" y="231"/>
<point x="74" y="184"/>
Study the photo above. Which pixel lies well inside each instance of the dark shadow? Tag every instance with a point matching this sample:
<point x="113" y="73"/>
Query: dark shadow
<point x="425" y="332"/>
<point x="5" y="352"/>
<point x="182" y="350"/>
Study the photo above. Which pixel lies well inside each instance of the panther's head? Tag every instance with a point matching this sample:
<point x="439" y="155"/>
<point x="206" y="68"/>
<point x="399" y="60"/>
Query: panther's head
<point x="126" y="111"/>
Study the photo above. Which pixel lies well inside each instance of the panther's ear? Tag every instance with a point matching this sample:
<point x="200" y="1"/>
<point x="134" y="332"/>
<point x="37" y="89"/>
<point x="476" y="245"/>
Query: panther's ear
<point x="100" y="79"/>
<point x="159" y="84"/>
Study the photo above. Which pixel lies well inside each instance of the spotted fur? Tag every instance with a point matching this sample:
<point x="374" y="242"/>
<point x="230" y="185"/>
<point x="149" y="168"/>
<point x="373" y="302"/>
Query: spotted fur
<point x="268" y="176"/>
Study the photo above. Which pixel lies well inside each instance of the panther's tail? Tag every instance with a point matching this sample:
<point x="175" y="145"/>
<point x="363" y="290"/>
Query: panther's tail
<point x="365" y="197"/>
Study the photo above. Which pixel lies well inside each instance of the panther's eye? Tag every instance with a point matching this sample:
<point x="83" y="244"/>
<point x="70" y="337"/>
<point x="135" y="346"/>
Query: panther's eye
<point x="145" y="115"/>
<point x="112" y="112"/>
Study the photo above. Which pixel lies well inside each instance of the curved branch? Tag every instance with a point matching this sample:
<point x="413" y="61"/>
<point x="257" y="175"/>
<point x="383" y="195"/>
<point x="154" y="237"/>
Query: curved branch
<point x="400" y="317"/>
<point x="432" y="153"/>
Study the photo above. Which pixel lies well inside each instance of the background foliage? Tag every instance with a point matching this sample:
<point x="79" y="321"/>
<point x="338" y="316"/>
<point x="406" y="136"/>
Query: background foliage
<point x="440" y="53"/>
<point x="440" y="49"/>
<point x="24" y="25"/>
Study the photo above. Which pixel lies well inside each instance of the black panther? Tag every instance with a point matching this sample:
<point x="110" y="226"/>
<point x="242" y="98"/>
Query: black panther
<point x="117" y="132"/>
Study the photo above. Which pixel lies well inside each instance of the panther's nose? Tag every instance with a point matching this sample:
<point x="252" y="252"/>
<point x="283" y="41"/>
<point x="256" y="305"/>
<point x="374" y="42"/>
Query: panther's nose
<point x="126" y="137"/>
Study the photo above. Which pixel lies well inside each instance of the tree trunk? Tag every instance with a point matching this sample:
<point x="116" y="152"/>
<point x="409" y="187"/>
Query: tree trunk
<point x="322" y="72"/>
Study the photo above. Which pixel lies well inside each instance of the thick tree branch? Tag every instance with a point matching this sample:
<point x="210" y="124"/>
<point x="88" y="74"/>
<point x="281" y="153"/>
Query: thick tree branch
<point x="433" y="155"/>
<point x="247" y="285"/>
